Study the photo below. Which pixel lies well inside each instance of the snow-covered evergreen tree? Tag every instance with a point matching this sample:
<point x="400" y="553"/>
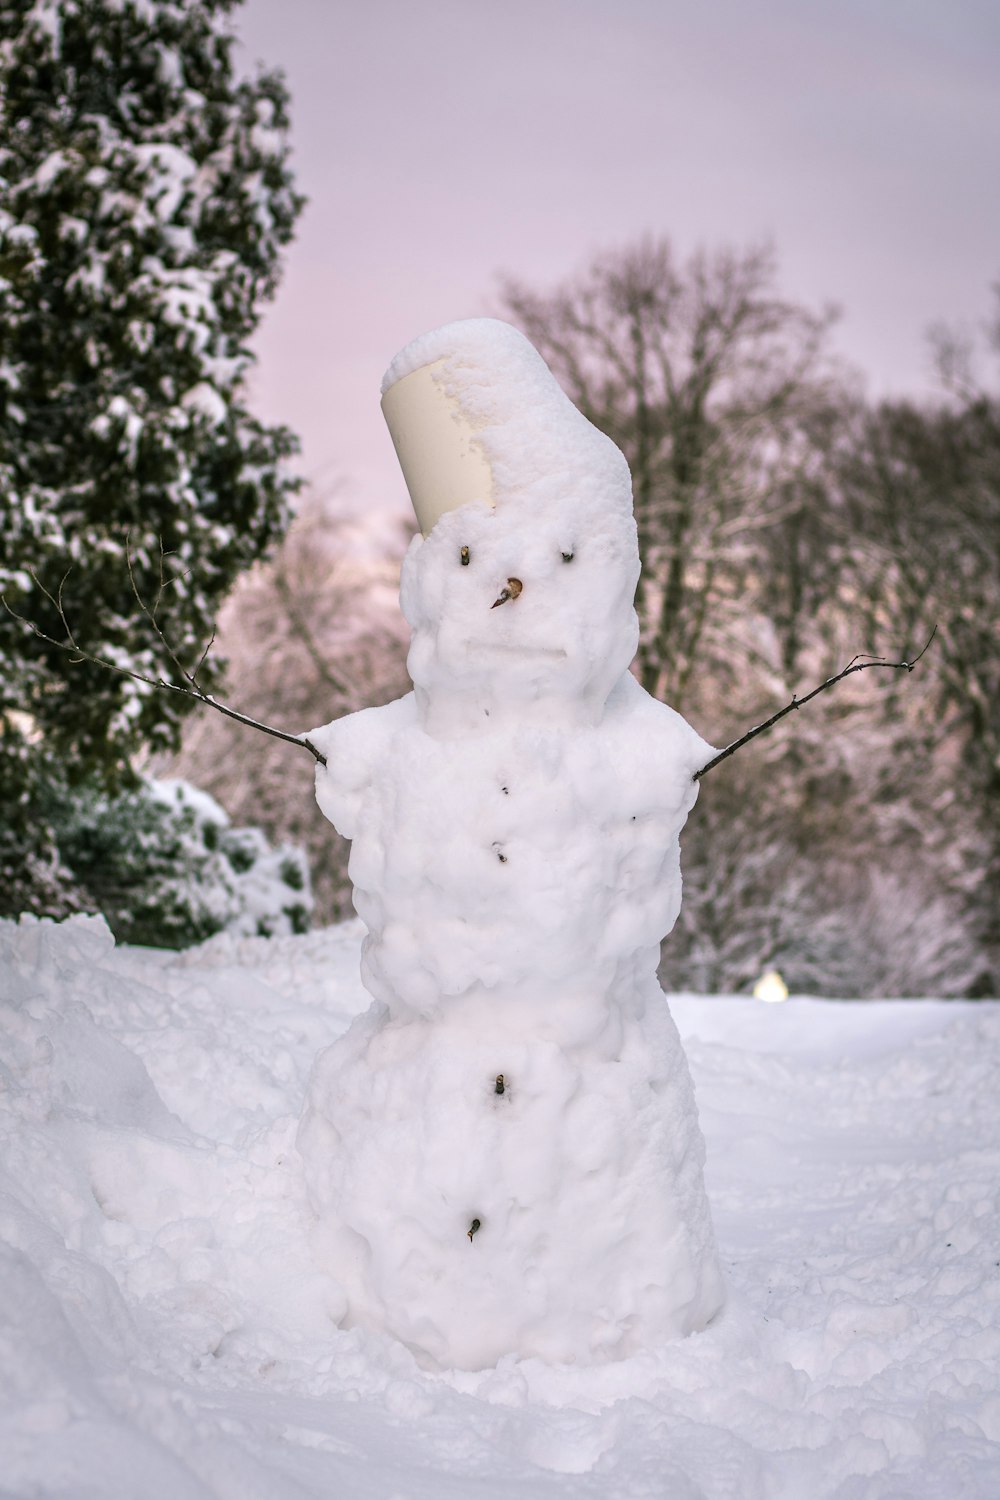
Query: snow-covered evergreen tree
<point x="145" y="198"/>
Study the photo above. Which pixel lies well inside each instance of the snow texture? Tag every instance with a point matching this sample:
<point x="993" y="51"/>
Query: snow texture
<point x="166" y="1330"/>
<point x="505" y="1151"/>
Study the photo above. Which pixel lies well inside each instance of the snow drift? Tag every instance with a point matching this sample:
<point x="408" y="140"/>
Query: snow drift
<point x="166" y="1328"/>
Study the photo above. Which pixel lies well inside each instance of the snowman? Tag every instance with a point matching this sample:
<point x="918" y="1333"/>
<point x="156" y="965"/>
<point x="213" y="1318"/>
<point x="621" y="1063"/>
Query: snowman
<point x="503" y="1153"/>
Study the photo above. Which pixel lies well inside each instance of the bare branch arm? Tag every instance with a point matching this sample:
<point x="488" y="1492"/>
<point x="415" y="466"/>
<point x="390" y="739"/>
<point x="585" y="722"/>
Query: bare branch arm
<point x="74" y="650"/>
<point x="856" y="664"/>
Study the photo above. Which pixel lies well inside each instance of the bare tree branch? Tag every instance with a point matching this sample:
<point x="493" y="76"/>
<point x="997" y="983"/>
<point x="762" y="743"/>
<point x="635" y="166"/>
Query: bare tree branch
<point x="856" y="664"/>
<point x="203" y="658"/>
<point x="191" y="689"/>
<point x="300" y="628"/>
<point x="151" y="613"/>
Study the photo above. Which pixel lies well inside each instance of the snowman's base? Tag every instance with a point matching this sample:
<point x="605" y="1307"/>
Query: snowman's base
<point x="480" y="1194"/>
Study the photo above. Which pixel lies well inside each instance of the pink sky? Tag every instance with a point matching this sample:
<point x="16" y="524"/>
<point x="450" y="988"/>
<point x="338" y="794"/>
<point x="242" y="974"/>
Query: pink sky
<point x="441" y="143"/>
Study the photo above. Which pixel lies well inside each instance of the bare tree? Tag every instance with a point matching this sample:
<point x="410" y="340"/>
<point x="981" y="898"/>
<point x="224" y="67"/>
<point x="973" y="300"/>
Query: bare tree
<point x="720" y="396"/>
<point x="923" y="485"/>
<point x="779" y="535"/>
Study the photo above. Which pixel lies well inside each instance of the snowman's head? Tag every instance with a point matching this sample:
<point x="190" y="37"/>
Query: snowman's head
<point x="520" y="591"/>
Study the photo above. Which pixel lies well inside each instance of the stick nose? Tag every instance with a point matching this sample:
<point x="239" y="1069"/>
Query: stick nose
<point x="510" y="590"/>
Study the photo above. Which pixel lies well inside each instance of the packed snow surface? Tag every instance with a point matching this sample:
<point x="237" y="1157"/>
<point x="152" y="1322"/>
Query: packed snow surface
<point x="519" y="1089"/>
<point x="165" y="1330"/>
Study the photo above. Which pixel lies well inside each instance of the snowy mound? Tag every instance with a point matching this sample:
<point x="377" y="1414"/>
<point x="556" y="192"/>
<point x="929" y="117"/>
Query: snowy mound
<point x="166" y="1331"/>
<point x="533" y="1219"/>
<point x="515" y="887"/>
<point x="523" y="873"/>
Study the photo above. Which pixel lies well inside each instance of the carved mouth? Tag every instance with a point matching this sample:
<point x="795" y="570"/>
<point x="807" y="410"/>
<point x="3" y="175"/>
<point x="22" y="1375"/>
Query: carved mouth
<point x="503" y="648"/>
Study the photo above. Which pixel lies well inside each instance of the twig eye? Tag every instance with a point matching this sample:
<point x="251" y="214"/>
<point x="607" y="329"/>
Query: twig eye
<point x="464" y="557"/>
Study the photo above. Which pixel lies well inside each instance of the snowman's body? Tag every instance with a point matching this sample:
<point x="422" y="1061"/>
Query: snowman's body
<point x="504" y="1152"/>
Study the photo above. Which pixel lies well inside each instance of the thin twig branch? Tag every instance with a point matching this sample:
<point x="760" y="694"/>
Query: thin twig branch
<point x="151" y="613"/>
<point x="191" y="689"/>
<point x="856" y="664"/>
<point x="203" y="658"/>
<point x="300" y="627"/>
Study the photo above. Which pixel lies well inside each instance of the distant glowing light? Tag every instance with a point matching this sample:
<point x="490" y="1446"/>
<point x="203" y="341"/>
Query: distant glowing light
<point x="770" y="987"/>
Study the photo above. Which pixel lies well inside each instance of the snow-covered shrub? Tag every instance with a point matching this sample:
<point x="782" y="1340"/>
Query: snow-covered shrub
<point x="164" y="867"/>
<point x="32" y="875"/>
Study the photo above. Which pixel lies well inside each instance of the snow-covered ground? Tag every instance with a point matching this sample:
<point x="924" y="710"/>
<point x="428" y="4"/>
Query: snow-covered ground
<point x="165" y="1331"/>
